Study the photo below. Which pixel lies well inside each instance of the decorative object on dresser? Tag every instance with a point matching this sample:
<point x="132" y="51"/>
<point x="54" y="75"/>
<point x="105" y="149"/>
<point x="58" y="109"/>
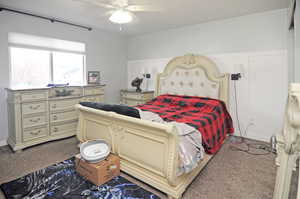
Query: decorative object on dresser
<point x="40" y="115"/>
<point x="93" y="77"/>
<point x="137" y="83"/>
<point x="133" y="98"/>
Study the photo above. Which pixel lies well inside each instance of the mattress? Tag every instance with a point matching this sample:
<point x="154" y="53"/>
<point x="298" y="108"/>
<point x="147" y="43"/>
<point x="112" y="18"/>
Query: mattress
<point x="209" y="116"/>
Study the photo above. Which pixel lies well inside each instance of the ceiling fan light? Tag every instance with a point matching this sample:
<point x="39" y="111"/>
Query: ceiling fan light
<point x="121" y="17"/>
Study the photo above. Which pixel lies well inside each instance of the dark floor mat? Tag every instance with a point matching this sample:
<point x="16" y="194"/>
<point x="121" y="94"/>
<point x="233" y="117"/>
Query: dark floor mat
<point x="62" y="182"/>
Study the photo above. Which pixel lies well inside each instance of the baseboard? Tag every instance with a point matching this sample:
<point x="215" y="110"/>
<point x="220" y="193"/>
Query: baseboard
<point x="3" y="143"/>
<point x="257" y="137"/>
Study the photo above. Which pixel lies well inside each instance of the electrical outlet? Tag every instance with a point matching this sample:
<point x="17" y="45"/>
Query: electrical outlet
<point x="252" y="121"/>
<point x="147" y="75"/>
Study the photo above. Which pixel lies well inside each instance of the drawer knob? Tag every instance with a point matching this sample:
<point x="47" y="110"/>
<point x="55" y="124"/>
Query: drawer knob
<point x="55" y="129"/>
<point x="54" y="106"/>
<point x="35" y="133"/>
<point x="54" y="117"/>
<point x="34" y="121"/>
<point x="34" y="107"/>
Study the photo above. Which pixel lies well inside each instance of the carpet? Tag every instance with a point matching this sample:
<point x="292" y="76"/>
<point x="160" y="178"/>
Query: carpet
<point x="243" y="176"/>
<point x="61" y="181"/>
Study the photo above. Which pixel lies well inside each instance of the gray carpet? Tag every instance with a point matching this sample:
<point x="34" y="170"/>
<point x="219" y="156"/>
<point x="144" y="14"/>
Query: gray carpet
<point x="229" y="175"/>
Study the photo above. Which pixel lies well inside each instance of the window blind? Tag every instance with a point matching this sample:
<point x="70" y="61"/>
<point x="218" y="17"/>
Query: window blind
<point x="45" y="42"/>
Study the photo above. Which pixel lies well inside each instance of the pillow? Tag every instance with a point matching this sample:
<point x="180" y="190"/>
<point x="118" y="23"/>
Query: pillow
<point x="120" y="109"/>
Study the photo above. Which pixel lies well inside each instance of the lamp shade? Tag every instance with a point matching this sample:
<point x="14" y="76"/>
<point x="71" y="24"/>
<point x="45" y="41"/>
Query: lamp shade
<point x="121" y="17"/>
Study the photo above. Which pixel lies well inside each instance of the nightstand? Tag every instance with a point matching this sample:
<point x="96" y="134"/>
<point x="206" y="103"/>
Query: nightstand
<point x="133" y="98"/>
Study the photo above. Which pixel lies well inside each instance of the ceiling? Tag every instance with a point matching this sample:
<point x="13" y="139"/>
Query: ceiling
<point x="174" y="13"/>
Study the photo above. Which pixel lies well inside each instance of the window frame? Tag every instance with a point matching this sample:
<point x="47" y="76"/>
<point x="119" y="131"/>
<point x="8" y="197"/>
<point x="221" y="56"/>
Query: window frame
<point x="51" y="51"/>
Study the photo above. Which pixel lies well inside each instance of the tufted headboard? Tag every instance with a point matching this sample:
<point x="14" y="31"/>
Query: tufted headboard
<point x="193" y="75"/>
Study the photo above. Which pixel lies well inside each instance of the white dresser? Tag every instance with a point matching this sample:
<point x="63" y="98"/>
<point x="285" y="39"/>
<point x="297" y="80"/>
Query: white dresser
<point x="40" y="115"/>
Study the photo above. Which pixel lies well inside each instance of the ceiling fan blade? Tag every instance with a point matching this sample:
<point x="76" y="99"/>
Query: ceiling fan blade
<point x="108" y="13"/>
<point x="143" y="8"/>
<point x="97" y="3"/>
<point x="120" y="3"/>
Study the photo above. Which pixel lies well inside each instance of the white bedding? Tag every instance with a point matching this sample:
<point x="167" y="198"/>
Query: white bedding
<point x="191" y="150"/>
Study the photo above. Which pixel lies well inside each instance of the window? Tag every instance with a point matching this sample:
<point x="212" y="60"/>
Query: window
<point x="68" y="67"/>
<point x="35" y="65"/>
<point x="29" y="68"/>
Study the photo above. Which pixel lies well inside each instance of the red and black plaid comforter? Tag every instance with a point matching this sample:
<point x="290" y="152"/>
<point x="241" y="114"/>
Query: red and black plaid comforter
<point x="209" y="116"/>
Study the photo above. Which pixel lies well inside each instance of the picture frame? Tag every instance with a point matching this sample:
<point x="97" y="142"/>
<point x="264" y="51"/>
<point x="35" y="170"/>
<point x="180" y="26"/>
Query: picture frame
<point x="93" y="77"/>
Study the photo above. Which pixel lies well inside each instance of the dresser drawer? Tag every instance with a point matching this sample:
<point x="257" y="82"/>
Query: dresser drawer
<point x="137" y="96"/>
<point x="148" y="96"/>
<point x="65" y="116"/>
<point x="133" y="96"/>
<point x="95" y="98"/>
<point x="34" y="133"/>
<point x="93" y="91"/>
<point x="63" y="104"/>
<point x="34" y="121"/>
<point x="63" y="128"/>
<point x="33" y="96"/>
<point x="132" y="102"/>
<point x="30" y="108"/>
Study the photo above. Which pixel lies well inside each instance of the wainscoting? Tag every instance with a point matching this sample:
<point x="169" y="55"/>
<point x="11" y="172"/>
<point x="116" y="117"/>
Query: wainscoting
<point x="261" y="93"/>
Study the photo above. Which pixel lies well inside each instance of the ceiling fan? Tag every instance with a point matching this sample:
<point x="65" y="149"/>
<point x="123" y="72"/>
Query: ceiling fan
<point x="120" y="10"/>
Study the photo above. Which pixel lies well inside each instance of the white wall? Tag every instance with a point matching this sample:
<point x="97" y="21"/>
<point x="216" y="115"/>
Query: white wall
<point x="258" y="32"/>
<point x="105" y="52"/>
<point x="291" y="54"/>
<point x="254" y="44"/>
<point x="297" y="42"/>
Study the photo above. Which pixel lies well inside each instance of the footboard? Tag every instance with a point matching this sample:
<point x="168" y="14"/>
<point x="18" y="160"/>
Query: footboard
<point x="147" y="150"/>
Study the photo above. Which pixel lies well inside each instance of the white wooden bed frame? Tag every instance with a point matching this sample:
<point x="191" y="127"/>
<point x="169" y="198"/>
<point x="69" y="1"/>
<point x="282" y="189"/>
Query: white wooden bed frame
<point x="148" y="150"/>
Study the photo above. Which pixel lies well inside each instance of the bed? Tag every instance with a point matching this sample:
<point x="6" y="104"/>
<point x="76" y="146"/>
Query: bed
<point x="154" y="157"/>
